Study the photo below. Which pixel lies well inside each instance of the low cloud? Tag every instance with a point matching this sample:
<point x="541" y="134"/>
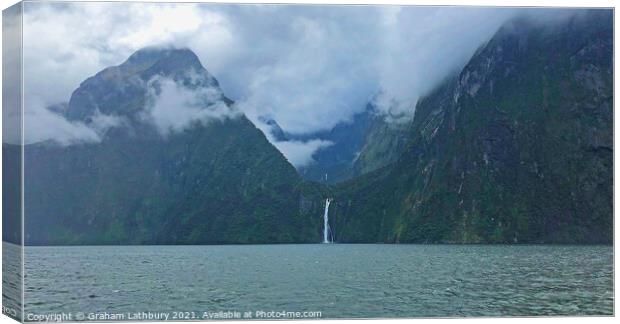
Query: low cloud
<point x="43" y="125"/>
<point x="300" y="153"/>
<point x="421" y="46"/>
<point x="97" y="35"/>
<point x="309" y="78"/>
<point x="309" y="67"/>
<point x="172" y="107"/>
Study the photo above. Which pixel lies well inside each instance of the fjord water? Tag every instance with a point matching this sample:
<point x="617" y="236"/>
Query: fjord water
<point x="339" y="280"/>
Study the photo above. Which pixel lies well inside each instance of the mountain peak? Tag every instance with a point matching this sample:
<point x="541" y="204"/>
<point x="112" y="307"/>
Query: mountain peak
<point x="120" y="90"/>
<point x="150" y="56"/>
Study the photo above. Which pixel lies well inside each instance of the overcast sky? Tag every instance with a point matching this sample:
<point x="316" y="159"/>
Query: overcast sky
<point x="308" y="67"/>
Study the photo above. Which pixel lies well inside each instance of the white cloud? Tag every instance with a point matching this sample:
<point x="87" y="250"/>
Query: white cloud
<point x="65" y="43"/>
<point x="41" y="124"/>
<point x="162" y="24"/>
<point x="308" y="67"/>
<point x="422" y="46"/>
<point x="11" y="75"/>
<point x="300" y="153"/>
<point x="173" y="107"/>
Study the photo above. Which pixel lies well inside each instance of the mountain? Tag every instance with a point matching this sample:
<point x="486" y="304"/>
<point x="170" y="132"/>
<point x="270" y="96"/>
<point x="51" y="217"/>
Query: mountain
<point x="150" y="180"/>
<point x="337" y="160"/>
<point x="383" y="143"/>
<point x="364" y="144"/>
<point x="517" y="148"/>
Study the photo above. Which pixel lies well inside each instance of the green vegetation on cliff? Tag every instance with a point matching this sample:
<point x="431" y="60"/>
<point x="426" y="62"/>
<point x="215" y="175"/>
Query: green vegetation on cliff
<point x="217" y="181"/>
<point x="516" y="148"/>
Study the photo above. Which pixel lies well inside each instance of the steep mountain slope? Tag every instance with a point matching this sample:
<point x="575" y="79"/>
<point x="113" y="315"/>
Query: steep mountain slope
<point x="337" y="160"/>
<point x="517" y="148"/>
<point x="364" y="144"/>
<point x="215" y="180"/>
<point x="383" y="144"/>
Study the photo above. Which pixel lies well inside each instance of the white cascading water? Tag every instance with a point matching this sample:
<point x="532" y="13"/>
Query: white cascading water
<point x="326" y="238"/>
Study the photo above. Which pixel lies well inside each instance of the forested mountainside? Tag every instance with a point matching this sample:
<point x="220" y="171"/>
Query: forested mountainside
<point x="518" y="148"/>
<point x="217" y="181"/>
<point x="383" y="144"/>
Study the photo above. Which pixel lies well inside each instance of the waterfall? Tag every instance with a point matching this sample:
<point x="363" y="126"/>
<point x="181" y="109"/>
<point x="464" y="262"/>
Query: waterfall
<point x="326" y="229"/>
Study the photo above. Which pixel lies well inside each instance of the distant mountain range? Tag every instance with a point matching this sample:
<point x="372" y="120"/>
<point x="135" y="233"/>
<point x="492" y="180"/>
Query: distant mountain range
<point x="362" y="145"/>
<point x="515" y="148"/>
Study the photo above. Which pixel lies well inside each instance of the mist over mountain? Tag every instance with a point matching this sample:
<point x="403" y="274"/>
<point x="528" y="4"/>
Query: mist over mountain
<point x="334" y="162"/>
<point x="518" y="147"/>
<point x="514" y="146"/>
<point x="178" y="165"/>
<point x="307" y="67"/>
<point x="368" y="142"/>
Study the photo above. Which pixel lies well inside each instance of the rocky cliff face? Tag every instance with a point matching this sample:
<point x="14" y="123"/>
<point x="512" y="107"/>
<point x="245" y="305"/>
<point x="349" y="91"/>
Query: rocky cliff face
<point x="214" y="180"/>
<point x="516" y="148"/>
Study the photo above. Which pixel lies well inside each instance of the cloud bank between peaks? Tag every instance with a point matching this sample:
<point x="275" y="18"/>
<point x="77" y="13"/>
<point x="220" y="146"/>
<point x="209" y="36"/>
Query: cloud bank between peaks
<point x="307" y="67"/>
